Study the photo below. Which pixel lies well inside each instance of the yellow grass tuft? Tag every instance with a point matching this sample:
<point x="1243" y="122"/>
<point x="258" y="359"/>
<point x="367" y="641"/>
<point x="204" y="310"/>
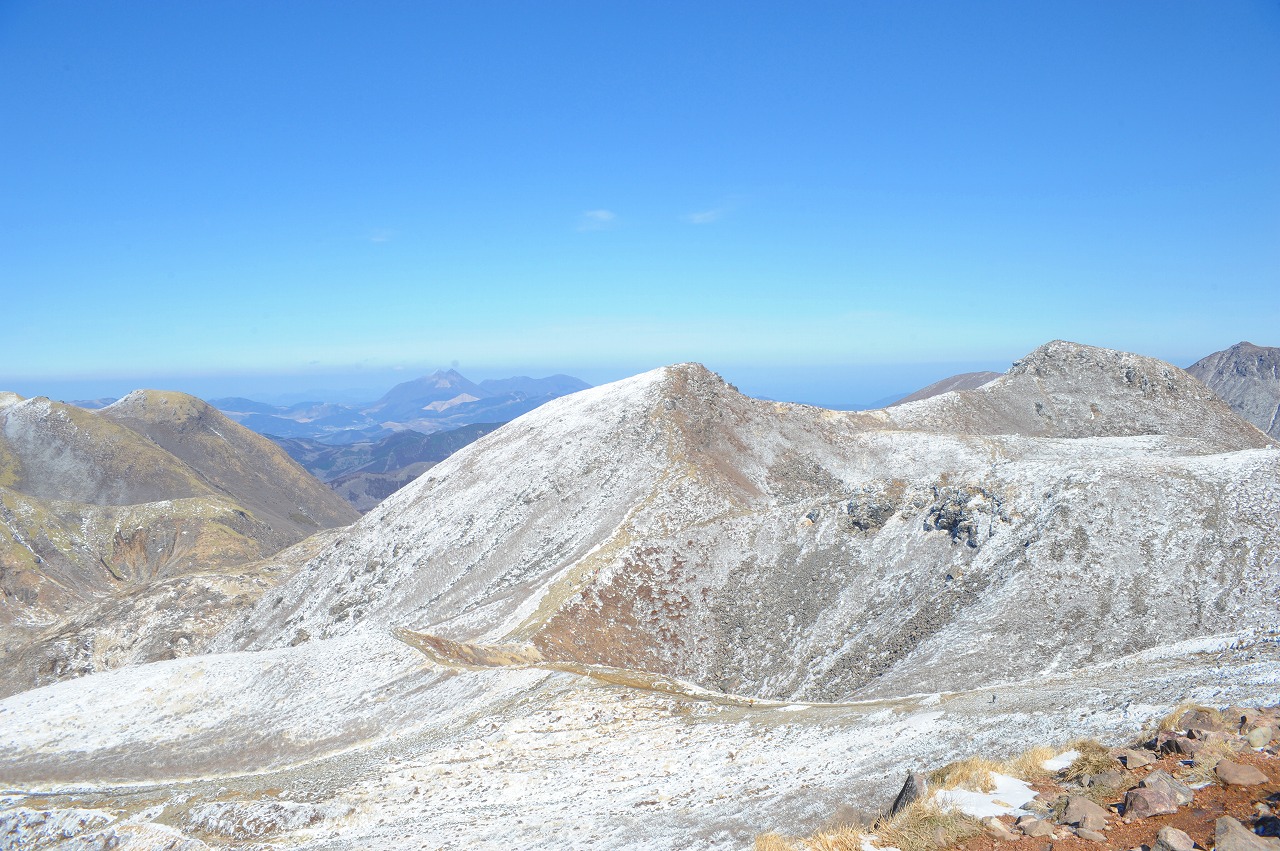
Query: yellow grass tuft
<point x="1029" y="765"/>
<point x="847" y="838"/>
<point x="1094" y="758"/>
<point x="1210" y="754"/>
<point x="973" y="773"/>
<point x="924" y="826"/>
<point x="1170" y="721"/>
<point x="773" y="842"/>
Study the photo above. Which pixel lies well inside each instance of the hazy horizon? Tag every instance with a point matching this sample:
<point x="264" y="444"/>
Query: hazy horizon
<point x="813" y="200"/>
<point x="823" y="385"/>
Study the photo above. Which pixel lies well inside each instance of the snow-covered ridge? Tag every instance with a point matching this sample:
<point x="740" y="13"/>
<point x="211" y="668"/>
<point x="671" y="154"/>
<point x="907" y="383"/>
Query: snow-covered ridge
<point x="667" y="523"/>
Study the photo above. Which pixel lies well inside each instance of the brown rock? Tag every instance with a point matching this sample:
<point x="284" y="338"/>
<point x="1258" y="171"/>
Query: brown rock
<point x="1091" y="835"/>
<point x="1171" y="839"/>
<point x="1161" y="779"/>
<point x="1037" y="828"/>
<point x="1106" y="778"/>
<point x="1132" y="759"/>
<point x="1082" y="812"/>
<point x="1235" y="774"/>
<point x="1144" y="802"/>
<point x="1199" y="719"/>
<point x="1259" y="737"/>
<point x="1169" y="742"/>
<point x="1231" y="835"/>
<point x="996" y="830"/>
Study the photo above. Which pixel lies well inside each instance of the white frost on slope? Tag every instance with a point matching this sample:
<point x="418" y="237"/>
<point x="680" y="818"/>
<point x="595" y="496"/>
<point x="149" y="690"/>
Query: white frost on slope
<point x="766" y="550"/>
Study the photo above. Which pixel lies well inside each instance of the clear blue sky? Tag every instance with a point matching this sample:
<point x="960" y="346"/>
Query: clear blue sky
<point x="222" y="195"/>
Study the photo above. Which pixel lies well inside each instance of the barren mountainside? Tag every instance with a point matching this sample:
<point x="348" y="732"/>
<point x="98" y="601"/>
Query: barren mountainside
<point x="1248" y="378"/>
<point x="158" y="485"/>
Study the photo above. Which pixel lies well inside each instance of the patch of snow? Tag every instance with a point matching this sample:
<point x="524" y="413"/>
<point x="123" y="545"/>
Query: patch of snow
<point x="1061" y="761"/>
<point x="1008" y="799"/>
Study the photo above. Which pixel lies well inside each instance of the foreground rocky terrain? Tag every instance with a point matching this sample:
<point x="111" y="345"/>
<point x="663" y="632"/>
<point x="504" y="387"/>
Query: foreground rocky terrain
<point x="1202" y="777"/>
<point x="682" y="617"/>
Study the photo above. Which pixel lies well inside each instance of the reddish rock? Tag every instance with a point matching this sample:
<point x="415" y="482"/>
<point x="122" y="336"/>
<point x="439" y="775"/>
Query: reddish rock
<point x="1231" y="835"/>
<point x="1235" y="774"/>
<point x="1171" y="839"/>
<point x="1147" y="802"/>
<point x="1161" y="779"/>
<point x="1199" y="719"/>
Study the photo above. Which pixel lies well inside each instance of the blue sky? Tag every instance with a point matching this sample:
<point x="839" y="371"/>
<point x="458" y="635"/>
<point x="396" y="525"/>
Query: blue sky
<point x="822" y="201"/>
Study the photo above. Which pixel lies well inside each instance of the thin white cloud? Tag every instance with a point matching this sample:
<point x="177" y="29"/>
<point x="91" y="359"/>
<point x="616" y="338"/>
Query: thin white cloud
<point x="597" y="220"/>
<point x="380" y="236"/>
<point x="706" y="217"/>
<point x="714" y="214"/>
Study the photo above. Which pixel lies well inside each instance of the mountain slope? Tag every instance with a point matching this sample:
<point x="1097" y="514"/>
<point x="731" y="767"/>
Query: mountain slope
<point x="1248" y="378"/>
<point x="1094" y="541"/>
<point x="233" y="461"/>
<point x="157" y="485"/>
<point x="668" y="524"/>
<point x="963" y="381"/>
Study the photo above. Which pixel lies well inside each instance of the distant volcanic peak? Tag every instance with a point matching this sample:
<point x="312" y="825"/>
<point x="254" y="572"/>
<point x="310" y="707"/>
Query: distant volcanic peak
<point x="8" y="398"/>
<point x="446" y="378"/>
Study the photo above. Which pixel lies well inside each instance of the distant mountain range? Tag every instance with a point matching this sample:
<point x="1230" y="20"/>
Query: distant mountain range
<point x="367" y="473"/>
<point x="366" y="453"/>
<point x="443" y="400"/>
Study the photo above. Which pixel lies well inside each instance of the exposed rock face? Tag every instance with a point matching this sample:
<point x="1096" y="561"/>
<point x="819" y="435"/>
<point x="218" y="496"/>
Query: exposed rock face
<point x="1248" y="378"/>
<point x="1231" y="835"/>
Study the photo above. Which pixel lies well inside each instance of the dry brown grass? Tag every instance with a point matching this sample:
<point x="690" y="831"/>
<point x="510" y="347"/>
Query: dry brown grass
<point x="1210" y="754"/>
<point x="773" y="842"/>
<point x="1170" y="721"/>
<point x="1094" y="758"/>
<point x="972" y="773"/>
<point x="847" y="838"/>
<point x="1029" y="765"/>
<point x="924" y="826"/>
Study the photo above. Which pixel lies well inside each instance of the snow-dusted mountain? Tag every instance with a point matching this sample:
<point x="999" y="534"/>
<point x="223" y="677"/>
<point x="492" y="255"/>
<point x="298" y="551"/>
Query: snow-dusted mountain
<point x="1248" y="378"/>
<point x="678" y="615"/>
